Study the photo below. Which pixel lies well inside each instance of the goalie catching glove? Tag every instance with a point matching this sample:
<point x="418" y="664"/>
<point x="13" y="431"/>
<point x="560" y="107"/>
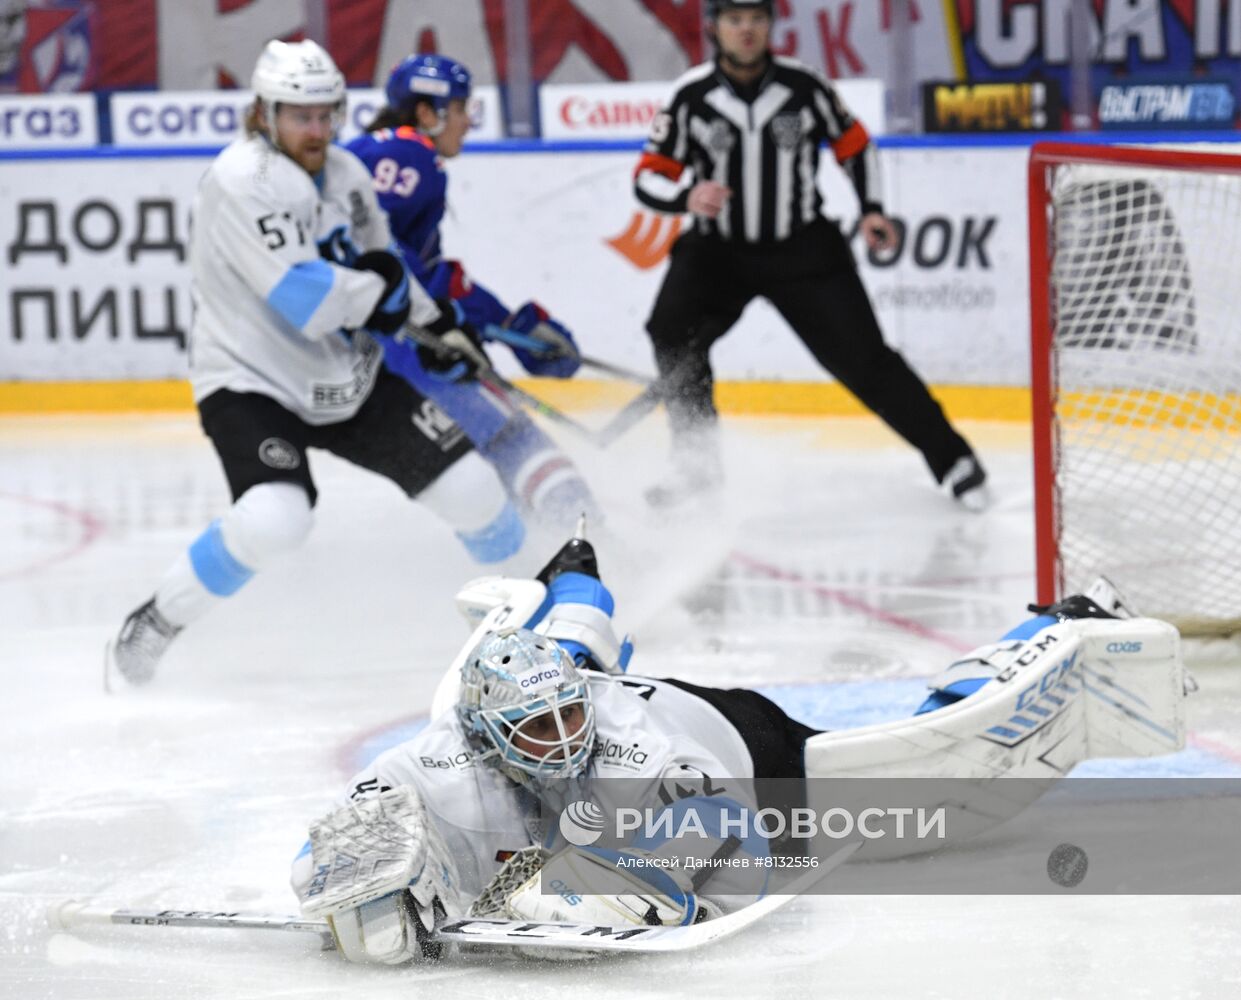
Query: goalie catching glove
<point x="382" y="876"/>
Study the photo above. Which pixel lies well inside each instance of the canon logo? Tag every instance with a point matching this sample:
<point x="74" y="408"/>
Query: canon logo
<point x="581" y="112"/>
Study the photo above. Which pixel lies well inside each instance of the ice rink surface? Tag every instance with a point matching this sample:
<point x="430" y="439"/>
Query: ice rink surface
<point x="834" y="577"/>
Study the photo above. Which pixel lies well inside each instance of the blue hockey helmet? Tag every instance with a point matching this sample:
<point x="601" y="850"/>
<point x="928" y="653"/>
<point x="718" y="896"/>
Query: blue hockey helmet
<point x="432" y="78"/>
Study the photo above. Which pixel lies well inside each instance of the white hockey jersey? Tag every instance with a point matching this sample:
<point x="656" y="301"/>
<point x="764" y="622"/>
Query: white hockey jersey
<point x="270" y="311"/>
<point x="647" y="730"/>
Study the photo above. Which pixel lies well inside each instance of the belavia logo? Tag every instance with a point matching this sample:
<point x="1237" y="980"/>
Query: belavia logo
<point x="648" y="239"/>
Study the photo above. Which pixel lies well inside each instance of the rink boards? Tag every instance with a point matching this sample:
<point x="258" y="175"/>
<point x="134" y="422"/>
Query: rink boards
<point x="96" y="283"/>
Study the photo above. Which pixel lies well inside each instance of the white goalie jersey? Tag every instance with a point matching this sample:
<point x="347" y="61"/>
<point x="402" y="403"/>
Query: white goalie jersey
<point x="272" y="300"/>
<point x="647" y="730"/>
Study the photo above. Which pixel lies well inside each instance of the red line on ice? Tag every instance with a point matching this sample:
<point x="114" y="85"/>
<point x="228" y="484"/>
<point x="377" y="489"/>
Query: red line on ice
<point x="1230" y="754"/>
<point x="850" y="601"/>
<point x="92" y="528"/>
<point x="348" y="754"/>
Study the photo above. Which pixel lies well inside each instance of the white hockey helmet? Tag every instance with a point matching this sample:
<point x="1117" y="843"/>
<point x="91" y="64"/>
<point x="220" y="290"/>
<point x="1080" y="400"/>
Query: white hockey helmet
<point x="519" y="692"/>
<point x="297" y="73"/>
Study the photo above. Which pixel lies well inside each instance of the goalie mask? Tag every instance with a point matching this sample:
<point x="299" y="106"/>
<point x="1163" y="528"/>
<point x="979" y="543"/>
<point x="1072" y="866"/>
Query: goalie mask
<point x="525" y="707"/>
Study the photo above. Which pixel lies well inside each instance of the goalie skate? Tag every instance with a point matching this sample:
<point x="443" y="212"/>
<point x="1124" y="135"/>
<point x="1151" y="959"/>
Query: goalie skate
<point x="1100" y="600"/>
<point x="1104" y="593"/>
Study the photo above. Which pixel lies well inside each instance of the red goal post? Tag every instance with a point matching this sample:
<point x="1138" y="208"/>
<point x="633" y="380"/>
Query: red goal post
<point x="1135" y="295"/>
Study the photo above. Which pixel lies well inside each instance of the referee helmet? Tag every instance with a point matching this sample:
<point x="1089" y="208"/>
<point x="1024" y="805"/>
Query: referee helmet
<point x="715" y="8"/>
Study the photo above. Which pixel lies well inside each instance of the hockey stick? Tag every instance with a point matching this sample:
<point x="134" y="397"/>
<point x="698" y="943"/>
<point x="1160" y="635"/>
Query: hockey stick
<point x="486" y="375"/>
<point x="494" y="381"/>
<point x="530" y="342"/>
<point x="76" y="913"/>
<point x="476" y="930"/>
<point x="637" y="408"/>
<point x="585" y="937"/>
<point x="633" y="411"/>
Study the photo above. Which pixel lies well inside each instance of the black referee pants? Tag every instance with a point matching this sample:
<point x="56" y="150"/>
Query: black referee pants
<point x="812" y="280"/>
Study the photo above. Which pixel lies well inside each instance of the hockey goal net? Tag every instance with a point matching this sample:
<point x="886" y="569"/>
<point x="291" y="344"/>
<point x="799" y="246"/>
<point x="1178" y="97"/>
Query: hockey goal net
<point x="1135" y="282"/>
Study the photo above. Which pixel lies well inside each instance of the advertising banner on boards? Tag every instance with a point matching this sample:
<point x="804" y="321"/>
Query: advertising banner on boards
<point x="48" y="121"/>
<point x="96" y="280"/>
<point x="214" y="117"/>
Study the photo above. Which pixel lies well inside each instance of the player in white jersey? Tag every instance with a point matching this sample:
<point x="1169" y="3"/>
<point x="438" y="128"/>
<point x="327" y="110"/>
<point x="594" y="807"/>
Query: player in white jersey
<point x="293" y="271"/>
<point x="537" y="733"/>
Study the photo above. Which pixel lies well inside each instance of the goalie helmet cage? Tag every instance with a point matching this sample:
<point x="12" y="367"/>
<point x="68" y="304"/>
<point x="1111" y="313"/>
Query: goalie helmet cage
<point x="1135" y="291"/>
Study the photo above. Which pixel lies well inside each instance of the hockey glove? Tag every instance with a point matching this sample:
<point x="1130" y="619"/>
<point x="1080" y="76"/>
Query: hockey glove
<point x="543" y="345"/>
<point x="382" y="874"/>
<point x="460" y="355"/>
<point x="393" y="308"/>
<point x="614" y="889"/>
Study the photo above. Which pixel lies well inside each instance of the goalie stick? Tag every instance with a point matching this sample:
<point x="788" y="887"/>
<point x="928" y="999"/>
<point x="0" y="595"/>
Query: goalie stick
<point x="71" y="914"/>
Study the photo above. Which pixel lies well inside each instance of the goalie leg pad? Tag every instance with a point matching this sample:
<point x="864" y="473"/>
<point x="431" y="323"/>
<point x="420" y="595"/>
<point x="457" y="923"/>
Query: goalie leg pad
<point x="1131" y="670"/>
<point x="1136" y="680"/>
<point x="961" y="740"/>
<point x="965" y="676"/>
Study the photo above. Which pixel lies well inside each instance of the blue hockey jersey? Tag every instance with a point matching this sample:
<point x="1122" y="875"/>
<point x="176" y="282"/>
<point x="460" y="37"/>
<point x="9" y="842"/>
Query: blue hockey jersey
<point x="412" y="188"/>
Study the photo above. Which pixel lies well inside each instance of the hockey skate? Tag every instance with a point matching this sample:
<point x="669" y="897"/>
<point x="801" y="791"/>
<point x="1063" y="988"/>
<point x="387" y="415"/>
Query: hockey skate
<point x="966" y="481"/>
<point x="697" y="472"/>
<point x="684" y="486"/>
<point x="1100" y="600"/>
<point x="144" y="637"/>
<point x="577" y="555"/>
<point x="1105" y="594"/>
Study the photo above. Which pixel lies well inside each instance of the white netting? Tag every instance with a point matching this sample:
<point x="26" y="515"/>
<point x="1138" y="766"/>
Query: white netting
<point x="1146" y="370"/>
<point x="516" y="872"/>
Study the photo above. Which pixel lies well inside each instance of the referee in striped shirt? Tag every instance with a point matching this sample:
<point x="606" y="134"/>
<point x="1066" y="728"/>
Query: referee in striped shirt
<point x="738" y="148"/>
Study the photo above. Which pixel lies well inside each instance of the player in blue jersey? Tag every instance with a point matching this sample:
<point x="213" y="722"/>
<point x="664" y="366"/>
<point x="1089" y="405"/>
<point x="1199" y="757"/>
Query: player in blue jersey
<point x="424" y="123"/>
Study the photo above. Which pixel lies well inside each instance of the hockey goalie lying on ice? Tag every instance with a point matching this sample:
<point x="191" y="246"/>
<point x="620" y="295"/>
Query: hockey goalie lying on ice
<point x="460" y="820"/>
